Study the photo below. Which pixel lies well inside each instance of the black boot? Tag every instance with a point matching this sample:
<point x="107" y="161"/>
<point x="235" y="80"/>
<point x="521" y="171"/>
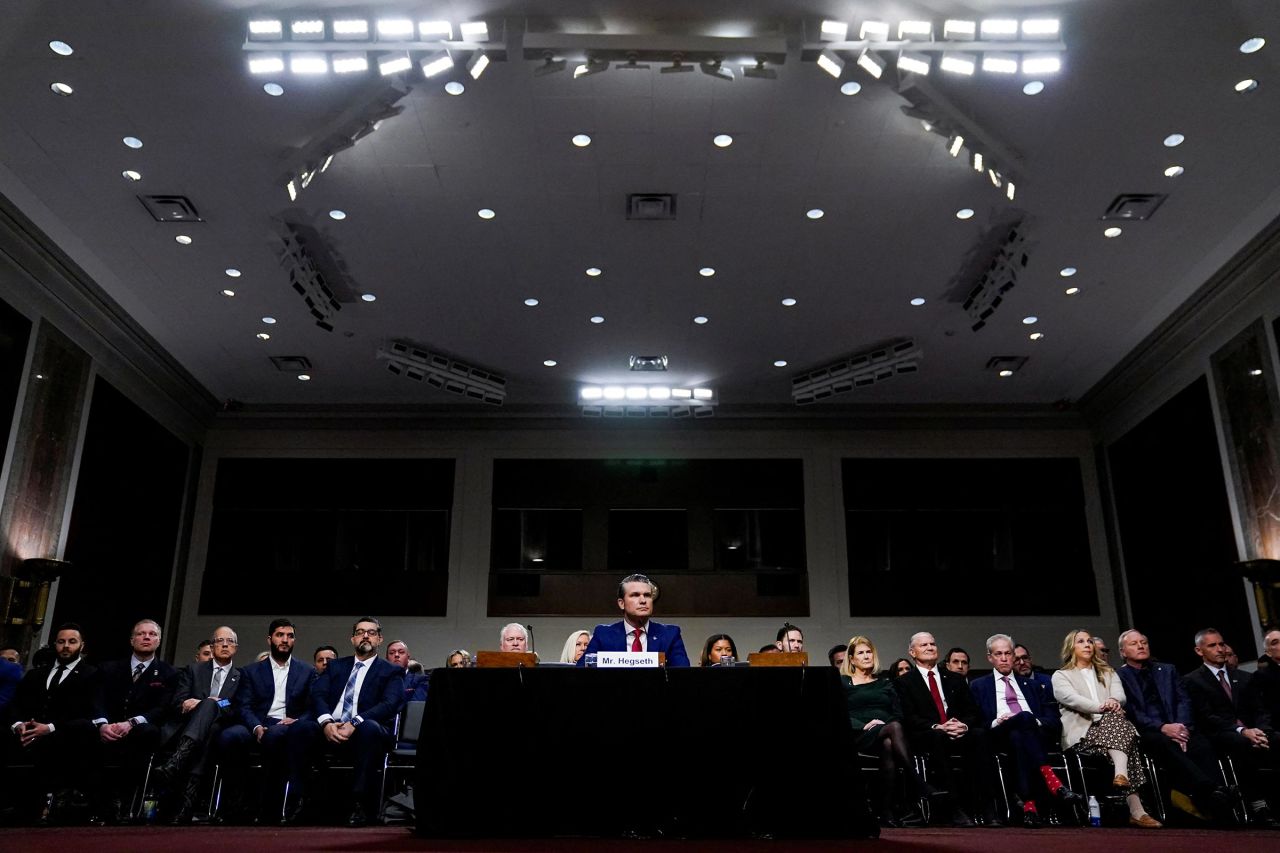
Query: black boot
<point x="187" y="804"/>
<point x="172" y="768"/>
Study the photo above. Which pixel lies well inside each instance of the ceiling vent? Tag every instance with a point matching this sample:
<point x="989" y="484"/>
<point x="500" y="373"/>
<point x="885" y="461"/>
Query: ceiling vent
<point x="1134" y="206"/>
<point x="651" y="206"/>
<point x="1006" y="365"/>
<point x="649" y="363"/>
<point x="291" y="363"/>
<point x="170" y="208"/>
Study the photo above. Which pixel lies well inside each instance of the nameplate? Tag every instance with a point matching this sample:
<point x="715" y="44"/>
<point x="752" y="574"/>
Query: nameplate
<point x="626" y="660"/>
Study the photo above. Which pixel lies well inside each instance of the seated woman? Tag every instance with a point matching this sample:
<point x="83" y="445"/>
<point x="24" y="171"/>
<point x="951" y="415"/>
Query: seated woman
<point x="876" y="718"/>
<point x="898" y="668"/>
<point x="1093" y="721"/>
<point x="575" y="646"/>
<point x="457" y="659"/>
<point x="716" y="647"/>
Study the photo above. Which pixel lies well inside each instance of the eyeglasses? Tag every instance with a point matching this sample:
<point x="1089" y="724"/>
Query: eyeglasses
<point x="367" y="632"/>
<point x="224" y="641"/>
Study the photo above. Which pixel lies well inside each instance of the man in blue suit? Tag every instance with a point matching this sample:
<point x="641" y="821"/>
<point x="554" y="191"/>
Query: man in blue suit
<point x="271" y="697"/>
<point x="354" y="703"/>
<point x="1021" y="725"/>
<point x="1160" y="709"/>
<point x="636" y="632"/>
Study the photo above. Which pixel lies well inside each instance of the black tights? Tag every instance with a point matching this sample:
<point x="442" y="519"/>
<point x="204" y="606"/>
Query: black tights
<point x="895" y="755"/>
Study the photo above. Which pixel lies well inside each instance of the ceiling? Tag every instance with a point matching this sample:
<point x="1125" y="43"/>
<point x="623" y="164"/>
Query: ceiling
<point x="175" y="76"/>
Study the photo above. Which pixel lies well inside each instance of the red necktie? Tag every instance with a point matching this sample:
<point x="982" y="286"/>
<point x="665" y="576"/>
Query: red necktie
<point x="635" y="644"/>
<point x="937" y="698"/>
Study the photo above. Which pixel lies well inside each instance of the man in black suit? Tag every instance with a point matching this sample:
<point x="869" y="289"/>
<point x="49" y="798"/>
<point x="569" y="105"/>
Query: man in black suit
<point x="52" y="709"/>
<point x="201" y="709"/>
<point x="1160" y="709"/>
<point x="273" y="694"/>
<point x="1229" y="711"/>
<point x="942" y="720"/>
<point x="354" y="703"/>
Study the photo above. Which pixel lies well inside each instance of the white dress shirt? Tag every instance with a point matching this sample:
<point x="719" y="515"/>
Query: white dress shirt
<point x="281" y="676"/>
<point x="48" y="681"/>
<point x="1002" y="702"/>
<point x="631" y="635"/>
<point x="356" y="719"/>
<point x="937" y="677"/>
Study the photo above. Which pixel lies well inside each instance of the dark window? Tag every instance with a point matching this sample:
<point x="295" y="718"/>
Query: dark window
<point x="648" y="540"/>
<point x="539" y="539"/>
<point x="15" y="331"/>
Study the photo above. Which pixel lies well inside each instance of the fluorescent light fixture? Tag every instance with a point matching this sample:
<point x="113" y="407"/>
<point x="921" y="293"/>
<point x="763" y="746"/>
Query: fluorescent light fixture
<point x="955" y="145"/>
<point x="614" y="392"/>
<point x="996" y="180"/>
<point x="977" y="161"/>
<point x="959" y="30"/>
<point x="435" y="30"/>
<point x="395" y="28"/>
<point x="474" y="31"/>
<point x="716" y="68"/>
<point x="591" y="392"/>
<point x="831" y="63"/>
<point x="477" y="64"/>
<point x="834" y="31"/>
<point x="999" y="28"/>
<point x="266" y="30"/>
<point x="1041" y="64"/>
<point x="350" y="63"/>
<point x="915" y="30"/>
<point x="266" y="63"/>
<point x="1000" y="63"/>
<point x="959" y="63"/>
<point x="292" y="189"/>
<point x="659" y="392"/>
<point x="593" y="65"/>
<point x="1041" y="28"/>
<point x="311" y="29"/>
<point x="871" y="63"/>
<point x="394" y="63"/>
<point x="681" y="393"/>
<point x="637" y="392"/>
<point x="351" y="29"/>
<point x="702" y="394"/>
<point x="874" y="31"/>
<point x="914" y="63"/>
<point x="327" y="162"/>
<point x="1009" y="190"/>
<point x="309" y="63"/>
<point x="436" y="63"/>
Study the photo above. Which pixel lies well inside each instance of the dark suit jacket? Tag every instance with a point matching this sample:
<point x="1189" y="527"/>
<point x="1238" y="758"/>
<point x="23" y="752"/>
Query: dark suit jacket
<point x="121" y="698"/>
<point x="73" y="700"/>
<point x="984" y="695"/>
<point x="257" y="689"/>
<point x="1215" y="713"/>
<point x="662" y="638"/>
<point x="194" y="681"/>
<point x="919" y="715"/>
<point x="1173" y="694"/>
<point x="10" y="676"/>
<point x="381" y="694"/>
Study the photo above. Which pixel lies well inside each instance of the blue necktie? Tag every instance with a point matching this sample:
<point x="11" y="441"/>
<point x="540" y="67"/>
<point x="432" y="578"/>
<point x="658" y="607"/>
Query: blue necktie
<point x="349" y="695"/>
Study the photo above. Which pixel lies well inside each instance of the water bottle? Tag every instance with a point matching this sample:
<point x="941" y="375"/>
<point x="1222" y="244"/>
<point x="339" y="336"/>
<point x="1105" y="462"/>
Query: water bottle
<point x="150" y="809"/>
<point x="590" y="660"/>
<point x="1095" y="812"/>
<point x="726" y="660"/>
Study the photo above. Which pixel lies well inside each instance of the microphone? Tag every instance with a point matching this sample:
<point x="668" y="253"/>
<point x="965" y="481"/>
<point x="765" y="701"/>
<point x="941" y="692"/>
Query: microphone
<point x="532" y="645"/>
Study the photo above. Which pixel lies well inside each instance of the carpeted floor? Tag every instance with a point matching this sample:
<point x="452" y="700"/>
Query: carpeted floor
<point x="324" y="840"/>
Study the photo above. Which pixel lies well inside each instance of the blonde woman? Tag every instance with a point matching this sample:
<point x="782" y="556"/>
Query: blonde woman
<point x="575" y="646"/>
<point x="1093" y="721"/>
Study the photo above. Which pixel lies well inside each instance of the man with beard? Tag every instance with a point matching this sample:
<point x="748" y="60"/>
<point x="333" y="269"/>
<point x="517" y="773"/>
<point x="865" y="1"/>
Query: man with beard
<point x="272" y="695"/>
<point x="53" y="708"/>
<point x="353" y="708"/>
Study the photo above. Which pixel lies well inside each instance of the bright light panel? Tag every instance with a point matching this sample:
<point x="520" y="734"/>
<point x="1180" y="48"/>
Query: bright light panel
<point x="308" y="29"/>
<point x="829" y="62"/>
<point x="1041" y="27"/>
<point x="308" y="63"/>
<point x="959" y="63"/>
<point x="266" y="63"/>
<point x="702" y="393"/>
<point x="591" y="393"/>
<point x="1000" y="63"/>
<point x="957" y="143"/>
<point x="1009" y="191"/>
<point x="681" y="393"/>
<point x="265" y="29"/>
<point x="914" y="63"/>
<point x="999" y="28"/>
<point x="871" y="63"/>
<point x="960" y="30"/>
<point x="977" y="161"/>
<point x="614" y="392"/>
<point x="915" y="30"/>
<point x="874" y="31"/>
<point x="394" y="63"/>
<point x="436" y="63"/>
<point x="1041" y="64"/>
<point x="834" y="31"/>
<point x="659" y="392"/>
<point x="395" y="28"/>
<point x="474" y="30"/>
<point x="351" y="29"/>
<point x="434" y="30"/>
<point x="637" y="392"/>
<point x="478" y="64"/>
<point x="349" y="63"/>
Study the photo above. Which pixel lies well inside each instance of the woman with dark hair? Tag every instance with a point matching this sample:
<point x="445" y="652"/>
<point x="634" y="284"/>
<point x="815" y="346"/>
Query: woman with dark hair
<point x="718" y="646"/>
<point x="898" y="668"/>
<point x="876" y="717"/>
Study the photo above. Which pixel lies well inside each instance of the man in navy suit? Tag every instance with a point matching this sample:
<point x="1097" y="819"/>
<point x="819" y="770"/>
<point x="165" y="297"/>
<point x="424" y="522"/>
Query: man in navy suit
<point x="1021" y="726"/>
<point x="273" y="694"/>
<point x="354" y="703"/>
<point x="636" y="632"/>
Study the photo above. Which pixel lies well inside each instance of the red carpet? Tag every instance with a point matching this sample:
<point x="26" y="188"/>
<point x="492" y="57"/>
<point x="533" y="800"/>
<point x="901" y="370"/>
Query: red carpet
<point x="323" y="840"/>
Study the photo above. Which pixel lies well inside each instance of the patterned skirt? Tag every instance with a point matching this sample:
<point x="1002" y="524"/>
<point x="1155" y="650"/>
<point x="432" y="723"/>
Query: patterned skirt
<point x="1114" y="731"/>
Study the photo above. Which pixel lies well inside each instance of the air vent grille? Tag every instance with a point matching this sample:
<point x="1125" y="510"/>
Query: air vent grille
<point x="651" y="206"/>
<point x="170" y="208"/>
<point x="1134" y="206"/>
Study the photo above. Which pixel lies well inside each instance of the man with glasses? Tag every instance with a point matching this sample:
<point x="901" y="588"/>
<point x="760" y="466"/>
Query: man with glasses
<point x="354" y="703"/>
<point x="1024" y="666"/>
<point x="201" y="710"/>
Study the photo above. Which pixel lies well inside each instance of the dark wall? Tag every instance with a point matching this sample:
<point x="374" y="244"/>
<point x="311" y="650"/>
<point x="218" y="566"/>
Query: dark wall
<point x="1175" y="529"/>
<point x="124" y="523"/>
<point x="15" y="332"/>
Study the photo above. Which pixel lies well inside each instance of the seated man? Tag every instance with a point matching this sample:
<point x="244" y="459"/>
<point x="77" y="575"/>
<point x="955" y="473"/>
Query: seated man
<point x="52" y="710"/>
<point x="415" y="684"/>
<point x="836" y="656"/>
<point x="513" y="637"/>
<point x="957" y="661"/>
<point x="1229" y="713"/>
<point x="1160" y="710"/>
<point x="941" y="720"/>
<point x="204" y="651"/>
<point x="636" y="632"/>
<point x="1024" y="666"/>
<point x="790" y="638"/>
<point x="201" y="710"/>
<point x="10" y="654"/>
<point x="322" y="657"/>
<point x="353" y="707"/>
<point x="272" y="695"/>
<point x="1022" y="726"/>
<point x="1100" y="650"/>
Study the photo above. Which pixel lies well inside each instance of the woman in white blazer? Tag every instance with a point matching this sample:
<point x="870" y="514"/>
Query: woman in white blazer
<point x="1093" y="721"/>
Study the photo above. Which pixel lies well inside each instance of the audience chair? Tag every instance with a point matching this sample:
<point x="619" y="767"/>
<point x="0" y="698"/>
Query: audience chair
<point x="404" y="755"/>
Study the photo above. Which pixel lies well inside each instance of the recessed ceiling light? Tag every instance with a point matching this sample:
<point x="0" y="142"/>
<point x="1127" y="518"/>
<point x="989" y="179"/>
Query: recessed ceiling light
<point x="707" y="272"/>
<point x="782" y="362"/>
<point x="485" y="213"/>
<point x="130" y="175"/>
<point x="232" y="272"/>
<point x="1257" y="371"/>
<point x="1113" y="231"/>
<point x="1034" y="87"/>
<point x="594" y="271"/>
<point x="549" y="362"/>
<point x="1242" y="87"/>
<point x="851" y="87"/>
<point x="275" y="90"/>
<point x="918" y="301"/>
<point x="581" y="140"/>
<point x="1067" y="272"/>
<point x="597" y="319"/>
<point x="789" y="301"/>
<point x="1027" y="321"/>
<point x="132" y="141"/>
<point x="338" y="215"/>
<point x="1173" y="171"/>
<point x="304" y="377"/>
<point x="63" y="49"/>
<point x="1252" y="45"/>
<point x="1035" y="336"/>
<point x="228" y="292"/>
<point x="270" y="321"/>
<point x="964" y="213"/>
<point x="1005" y="374"/>
<point x="722" y="140"/>
<point x="453" y="87"/>
<point x="531" y="302"/>
<point x="1173" y="140"/>
<point x="183" y="239"/>
<point x="700" y="320"/>
<point x="1072" y="291"/>
<point x="60" y="89"/>
<point x="263" y="336"/>
<point x="815" y="213"/>
<point x="368" y="297"/>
